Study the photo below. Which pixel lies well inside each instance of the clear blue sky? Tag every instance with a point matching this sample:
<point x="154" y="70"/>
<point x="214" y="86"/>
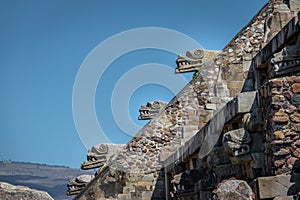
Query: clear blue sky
<point x="44" y="42"/>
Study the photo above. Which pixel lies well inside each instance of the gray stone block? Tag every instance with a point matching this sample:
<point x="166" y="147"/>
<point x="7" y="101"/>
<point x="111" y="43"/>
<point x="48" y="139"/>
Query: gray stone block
<point x="146" y="195"/>
<point x="284" y="198"/>
<point x="11" y="192"/>
<point x="294" y="5"/>
<point x="124" y="196"/>
<point x="270" y="187"/>
<point x="211" y="106"/>
<point x="246" y="101"/>
<point x="246" y="65"/>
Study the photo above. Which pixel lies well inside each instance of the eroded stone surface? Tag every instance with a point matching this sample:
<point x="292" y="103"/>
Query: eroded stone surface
<point x="234" y="189"/>
<point x="195" y="60"/>
<point x="11" y="192"/>
<point x="75" y="185"/>
<point x="270" y="187"/>
<point x="151" y="109"/>
<point x="99" y="154"/>
<point x="236" y="142"/>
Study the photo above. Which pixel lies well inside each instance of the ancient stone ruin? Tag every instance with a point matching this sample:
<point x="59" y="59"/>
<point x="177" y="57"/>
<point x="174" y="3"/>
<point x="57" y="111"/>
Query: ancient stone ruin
<point x="97" y="156"/>
<point x="232" y="133"/>
<point x="75" y="185"/>
<point x="151" y="109"/>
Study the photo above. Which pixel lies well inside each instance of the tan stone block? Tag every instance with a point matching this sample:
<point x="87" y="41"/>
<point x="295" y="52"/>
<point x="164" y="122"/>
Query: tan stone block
<point x="144" y="183"/>
<point x="290" y="162"/>
<point x="295" y="117"/>
<point x="296" y="127"/>
<point x="146" y="195"/>
<point x="279" y="135"/>
<point x="284" y="198"/>
<point x="295" y="151"/>
<point x="276" y="82"/>
<point x="280" y="117"/>
<point x="297" y="143"/>
<point x="128" y="184"/>
<point x="296" y="87"/>
<point x="124" y="197"/>
<point x="276" y="91"/>
<point x="270" y="187"/>
<point x="235" y="84"/>
<point x="279" y="163"/>
<point x="295" y="79"/>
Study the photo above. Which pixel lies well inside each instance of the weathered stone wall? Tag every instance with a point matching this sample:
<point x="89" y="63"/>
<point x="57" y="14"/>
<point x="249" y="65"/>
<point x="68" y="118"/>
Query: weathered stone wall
<point x="281" y="98"/>
<point x="264" y="141"/>
<point x="236" y="57"/>
<point x="136" y="172"/>
<point x="139" y="163"/>
<point x="228" y="146"/>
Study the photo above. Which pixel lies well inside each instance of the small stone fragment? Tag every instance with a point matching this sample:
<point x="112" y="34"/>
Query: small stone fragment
<point x="296" y="87"/>
<point x="295" y="117"/>
<point x="279" y="135"/>
<point x="280" y="117"/>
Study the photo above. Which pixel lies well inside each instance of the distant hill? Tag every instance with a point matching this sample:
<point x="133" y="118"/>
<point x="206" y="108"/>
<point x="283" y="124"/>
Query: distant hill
<point x="52" y="179"/>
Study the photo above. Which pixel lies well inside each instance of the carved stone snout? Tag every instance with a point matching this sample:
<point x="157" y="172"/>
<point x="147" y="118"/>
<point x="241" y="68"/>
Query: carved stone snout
<point x="75" y="185"/>
<point x="190" y="61"/>
<point x="236" y="142"/>
<point x="99" y="154"/>
<point x="151" y="109"/>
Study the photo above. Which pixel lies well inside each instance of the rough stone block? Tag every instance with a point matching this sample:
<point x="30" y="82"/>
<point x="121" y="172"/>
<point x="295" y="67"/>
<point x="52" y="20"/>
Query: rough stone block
<point x="270" y="187"/>
<point x="213" y="100"/>
<point x="211" y="106"/>
<point x="246" y="65"/>
<point x="128" y="190"/>
<point x="146" y="195"/>
<point x="235" y="84"/>
<point x="294" y="5"/>
<point x="144" y="183"/>
<point x="246" y="101"/>
<point x="9" y="192"/>
<point x="234" y="189"/>
<point x="124" y="197"/>
<point x="284" y="198"/>
<point x="148" y="177"/>
<point x="296" y="87"/>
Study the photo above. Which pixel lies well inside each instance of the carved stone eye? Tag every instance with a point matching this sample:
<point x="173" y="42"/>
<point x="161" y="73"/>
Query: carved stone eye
<point x="156" y="104"/>
<point x="188" y="54"/>
<point x="195" y="54"/>
<point x="103" y="148"/>
<point x="198" y="53"/>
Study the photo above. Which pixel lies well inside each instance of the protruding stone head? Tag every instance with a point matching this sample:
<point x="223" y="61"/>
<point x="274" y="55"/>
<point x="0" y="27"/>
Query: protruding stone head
<point x="190" y="61"/>
<point x="75" y="185"/>
<point x="236" y="144"/>
<point x="193" y="60"/>
<point x="151" y="109"/>
<point x="99" y="154"/>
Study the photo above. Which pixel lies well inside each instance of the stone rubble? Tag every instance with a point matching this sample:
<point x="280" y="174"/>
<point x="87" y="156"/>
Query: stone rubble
<point x="11" y="192"/>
